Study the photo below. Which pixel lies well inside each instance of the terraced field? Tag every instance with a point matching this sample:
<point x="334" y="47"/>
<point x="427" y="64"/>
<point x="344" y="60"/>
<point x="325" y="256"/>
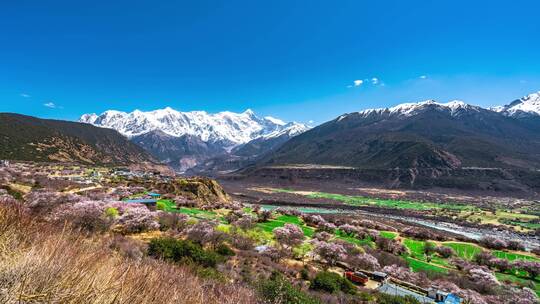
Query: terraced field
<point x="465" y="251"/>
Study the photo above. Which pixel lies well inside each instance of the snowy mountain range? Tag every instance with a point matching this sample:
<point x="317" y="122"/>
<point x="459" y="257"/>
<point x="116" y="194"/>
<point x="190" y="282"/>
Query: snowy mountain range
<point x="524" y="107"/>
<point x="226" y="141"/>
<point x="228" y="128"/>
<point x="185" y="139"/>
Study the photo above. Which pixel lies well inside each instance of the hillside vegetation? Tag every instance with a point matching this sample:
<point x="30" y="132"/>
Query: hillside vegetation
<point x="34" y="139"/>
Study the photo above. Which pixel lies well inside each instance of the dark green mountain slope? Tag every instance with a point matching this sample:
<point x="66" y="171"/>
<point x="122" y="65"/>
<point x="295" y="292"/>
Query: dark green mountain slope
<point x="34" y="139"/>
<point x="429" y="139"/>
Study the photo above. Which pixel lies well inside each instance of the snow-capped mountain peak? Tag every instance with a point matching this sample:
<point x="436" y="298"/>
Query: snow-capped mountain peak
<point x="525" y="106"/>
<point x="410" y="109"/>
<point x="290" y="129"/>
<point x="227" y="128"/>
<point x="275" y="120"/>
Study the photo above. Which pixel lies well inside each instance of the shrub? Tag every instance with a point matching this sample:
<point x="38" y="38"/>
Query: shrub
<point x="201" y="232"/>
<point x="111" y="212"/>
<point x="493" y="242"/>
<point x="41" y="202"/>
<point x="137" y="219"/>
<point x="445" y="252"/>
<point x="277" y="289"/>
<point x="531" y="267"/>
<point x="304" y="273"/>
<point x="332" y="282"/>
<point x="429" y="248"/>
<point x="127" y="247"/>
<point x="330" y="252"/>
<point x="264" y="216"/>
<point x="289" y="235"/>
<point x="172" y="221"/>
<point x="241" y="242"/>
<point x="224" y="250"/>
<point x="161" y="206"/>
<point x="484" y="258"/>
<point x="88" y="216"/>
<point x="364" y="261"/>
<point x="245" y="222"/>
<point x="179" y="250"/>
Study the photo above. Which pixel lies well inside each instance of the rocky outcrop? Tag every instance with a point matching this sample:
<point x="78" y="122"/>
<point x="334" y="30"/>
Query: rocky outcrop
<point x="201" y="189"/>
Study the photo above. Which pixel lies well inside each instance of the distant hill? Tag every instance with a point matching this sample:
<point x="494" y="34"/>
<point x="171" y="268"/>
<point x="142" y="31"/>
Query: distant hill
<point x="426" y="143"/>
<point x="34" y="139"/>
<point x="430" y="136"/>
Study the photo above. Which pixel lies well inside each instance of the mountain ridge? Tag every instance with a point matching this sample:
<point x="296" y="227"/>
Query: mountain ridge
<point x="34" y="139"/>
<point x="408" y="140"/>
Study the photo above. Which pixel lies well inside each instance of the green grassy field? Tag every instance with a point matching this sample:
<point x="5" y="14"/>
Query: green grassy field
<point x="464" y="250"/>
<point x="418" y="265"/>
<point x="343" y="236"/>
<point x="388" y="234"/>
<point x="280" y="221"/>
<point x="513" y="256"/>
<point x="169" y="206"/>
<point x="525" y="225"/>
<point x="415" y="247"/>
<point x="388" y="203"/>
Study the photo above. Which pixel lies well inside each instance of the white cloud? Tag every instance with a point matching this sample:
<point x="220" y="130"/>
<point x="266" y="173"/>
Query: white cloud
<point x="25" y="95"/>
<point x="311" y="121"/>
<point x="375" y="80"/>
<point x="50" y="104"/>
<point x="423" y="77"/>
<point x="358" y="82"/>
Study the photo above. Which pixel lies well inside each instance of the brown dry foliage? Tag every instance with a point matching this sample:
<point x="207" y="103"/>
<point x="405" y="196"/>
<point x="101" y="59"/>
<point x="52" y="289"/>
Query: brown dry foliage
<point x="40" y="264"/>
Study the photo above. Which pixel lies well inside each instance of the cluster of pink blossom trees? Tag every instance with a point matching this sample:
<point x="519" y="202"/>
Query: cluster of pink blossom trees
<point x="101" y="215"/>
<point x="485" y="258"/>
<point x="289" y="236"/>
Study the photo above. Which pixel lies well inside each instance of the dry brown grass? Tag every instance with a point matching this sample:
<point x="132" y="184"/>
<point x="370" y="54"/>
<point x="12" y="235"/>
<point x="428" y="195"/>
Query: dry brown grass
<point x="40" y="264"/>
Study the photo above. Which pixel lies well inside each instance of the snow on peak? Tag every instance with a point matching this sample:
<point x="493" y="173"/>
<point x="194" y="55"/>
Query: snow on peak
<point x="226" y="127"/>
<point x="525" y="106"/>
<point x="290" y="129"/>
<point x="410" y="109"/>
<point x="275" y="120"/>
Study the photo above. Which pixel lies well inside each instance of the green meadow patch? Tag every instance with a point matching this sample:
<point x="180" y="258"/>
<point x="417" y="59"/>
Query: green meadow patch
<point x="465" y="251"/>
<point x="503" y="277"/>
<point x="418" y="265"/>
<point x="513" y="256"/>
<point x="281" y="220"/>
<point x="386" y="203"/>
<point x="351" y="239"/>
<point x="388" y="234"/>
<point x="415" y="247"/>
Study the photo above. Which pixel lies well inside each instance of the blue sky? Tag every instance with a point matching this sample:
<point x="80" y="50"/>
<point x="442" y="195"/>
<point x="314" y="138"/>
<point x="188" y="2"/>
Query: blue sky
<point x="296" y="60"/>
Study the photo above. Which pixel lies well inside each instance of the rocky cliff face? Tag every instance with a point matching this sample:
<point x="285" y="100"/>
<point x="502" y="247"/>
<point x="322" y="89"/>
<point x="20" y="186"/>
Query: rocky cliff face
<point x="200" y="189"/>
